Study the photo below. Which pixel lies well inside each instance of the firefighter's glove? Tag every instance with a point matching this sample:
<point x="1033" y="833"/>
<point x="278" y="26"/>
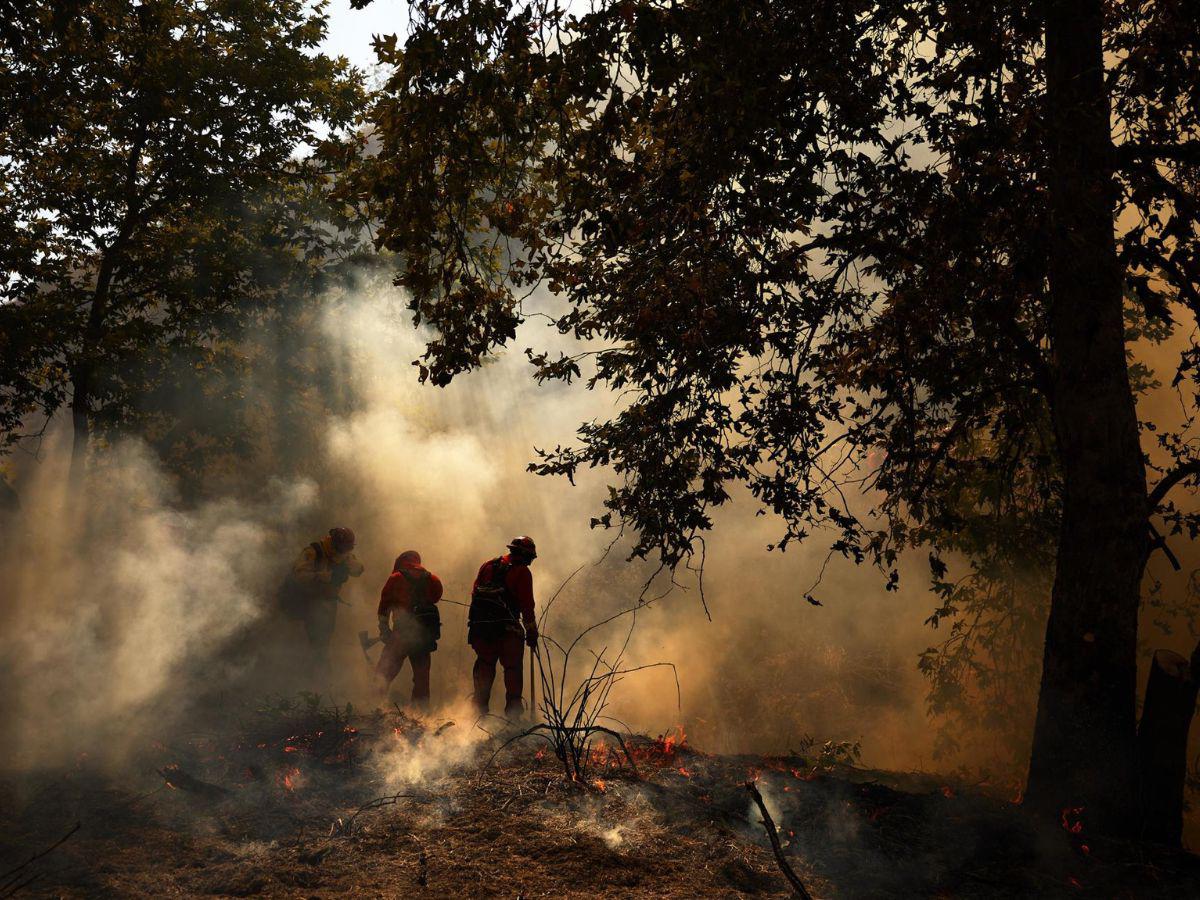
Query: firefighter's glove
<point x="531" y="636"/>
<point x="385" y="629"/>
<point x="339" y="574"/>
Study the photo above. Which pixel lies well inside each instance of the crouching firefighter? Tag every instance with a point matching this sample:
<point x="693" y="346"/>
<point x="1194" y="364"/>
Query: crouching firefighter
<point x="313" y="590"/>
<point x="409" y="625"/>
<point x="501" y="621"/>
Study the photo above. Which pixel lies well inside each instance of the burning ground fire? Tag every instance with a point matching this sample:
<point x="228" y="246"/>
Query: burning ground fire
<point x="291" y="778"/>
<point x="305" y="798"/>
<point x="656" y="755"/>
<point x="286" y="746"/>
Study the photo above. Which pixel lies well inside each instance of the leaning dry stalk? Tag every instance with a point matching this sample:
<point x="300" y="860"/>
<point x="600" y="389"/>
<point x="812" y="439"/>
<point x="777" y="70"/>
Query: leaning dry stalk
<point x="769" y="824"/>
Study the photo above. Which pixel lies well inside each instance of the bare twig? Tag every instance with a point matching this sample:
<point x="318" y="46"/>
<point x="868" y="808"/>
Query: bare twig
<point x="548" y="733"/>
<point x="570" y="721"/>
<point x="780" y="859"/>
<point x="347" y="827"/>
<point x="13" y="880"/>
<point x="550" y="602"/>
<point x="17" y="885"/>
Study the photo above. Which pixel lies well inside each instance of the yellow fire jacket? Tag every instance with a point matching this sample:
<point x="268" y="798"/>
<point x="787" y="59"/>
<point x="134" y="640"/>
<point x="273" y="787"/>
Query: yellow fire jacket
<point x="314" y="569"/>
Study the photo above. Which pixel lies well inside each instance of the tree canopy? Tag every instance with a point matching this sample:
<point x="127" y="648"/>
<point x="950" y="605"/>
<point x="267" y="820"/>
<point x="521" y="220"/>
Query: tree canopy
<point x="876" y="261"/>
<point x="144" y="162"/>
<point x="793" y="231"/>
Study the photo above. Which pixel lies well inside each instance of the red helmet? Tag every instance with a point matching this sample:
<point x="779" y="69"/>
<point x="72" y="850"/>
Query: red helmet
<point x="524" y="546"/>
<point x="343" y="539"/>
<point x="409" y="558"/>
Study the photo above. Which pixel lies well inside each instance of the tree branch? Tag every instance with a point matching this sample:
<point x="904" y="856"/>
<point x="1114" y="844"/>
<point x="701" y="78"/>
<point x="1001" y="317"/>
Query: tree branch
<point x="1185" y="151"/>
<point x="1189" y="469"/>
<point x="1158" y="542"/>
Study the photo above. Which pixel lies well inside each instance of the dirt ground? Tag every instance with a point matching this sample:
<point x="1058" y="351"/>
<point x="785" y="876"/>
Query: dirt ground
<point x="304" y="802"/>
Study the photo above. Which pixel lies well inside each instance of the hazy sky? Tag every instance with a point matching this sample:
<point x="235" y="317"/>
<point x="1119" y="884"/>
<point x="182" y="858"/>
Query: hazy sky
<point x="350" y="30"/>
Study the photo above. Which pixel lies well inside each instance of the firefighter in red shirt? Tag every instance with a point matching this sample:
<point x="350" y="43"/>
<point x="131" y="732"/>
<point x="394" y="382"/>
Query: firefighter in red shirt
<point x="500" y="621"/>
<point x="409" y="625"/>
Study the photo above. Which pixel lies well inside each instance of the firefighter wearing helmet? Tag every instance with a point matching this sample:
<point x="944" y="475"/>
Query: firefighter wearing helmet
<point x="318" y="575"/>
<point x="501" y="623"/>
<point x="409" y="626"/>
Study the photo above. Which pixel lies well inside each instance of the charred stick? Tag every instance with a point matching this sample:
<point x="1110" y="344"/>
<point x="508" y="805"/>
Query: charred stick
<point x="776" y="848"/>
<point x="19" y="886"/>
<point x="8" y="880"/>
<point x="62" y="840"/>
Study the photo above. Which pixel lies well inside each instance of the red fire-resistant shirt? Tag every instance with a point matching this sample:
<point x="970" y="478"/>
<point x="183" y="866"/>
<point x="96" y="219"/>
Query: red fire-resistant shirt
<point x="519" y="581"/>
<point x="394" y="597"/>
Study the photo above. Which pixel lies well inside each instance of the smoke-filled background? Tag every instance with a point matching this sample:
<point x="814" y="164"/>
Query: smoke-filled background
<point x="133" y="611"/>
<point x="143" y="603"/>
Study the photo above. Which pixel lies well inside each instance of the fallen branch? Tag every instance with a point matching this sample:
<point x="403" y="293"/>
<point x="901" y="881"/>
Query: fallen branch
<point x="780" y="859"/>
<point x="17" y="885"/>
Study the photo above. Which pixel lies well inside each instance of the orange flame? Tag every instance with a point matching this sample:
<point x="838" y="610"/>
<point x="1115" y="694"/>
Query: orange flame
<point x="669" y="743"/>
<point x="290" y="778"/>
<point x="661" y="751"/>
<point x="1072" y="812"/>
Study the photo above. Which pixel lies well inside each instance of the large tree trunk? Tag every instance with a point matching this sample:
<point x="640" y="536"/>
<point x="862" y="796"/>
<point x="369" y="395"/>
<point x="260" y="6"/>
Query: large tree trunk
<point x="1083" y="746"/>
<point x="81" y="425"/>
<point x="1162" y="744"/>
<point x="82" y="370"/>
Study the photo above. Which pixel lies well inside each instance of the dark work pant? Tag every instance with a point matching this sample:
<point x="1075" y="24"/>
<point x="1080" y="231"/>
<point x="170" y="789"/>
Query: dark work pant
<point x="319" y="621"/>
<point x="509" y="651"/>
<point x="392" y="659"/>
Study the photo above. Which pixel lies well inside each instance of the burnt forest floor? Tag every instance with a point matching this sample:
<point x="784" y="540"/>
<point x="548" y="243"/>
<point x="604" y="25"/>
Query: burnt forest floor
<point x="301" y="801"/>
